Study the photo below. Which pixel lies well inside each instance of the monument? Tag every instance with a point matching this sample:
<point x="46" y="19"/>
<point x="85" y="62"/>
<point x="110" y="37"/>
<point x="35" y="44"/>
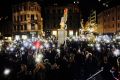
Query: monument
<point x="62" y="32"/>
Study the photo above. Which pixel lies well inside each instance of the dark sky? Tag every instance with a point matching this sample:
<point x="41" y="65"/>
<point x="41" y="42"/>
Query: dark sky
<point x="85" y="5"/>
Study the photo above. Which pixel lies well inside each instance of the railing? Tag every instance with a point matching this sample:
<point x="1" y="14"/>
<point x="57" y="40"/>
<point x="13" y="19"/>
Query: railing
<point x="94" y="75"/>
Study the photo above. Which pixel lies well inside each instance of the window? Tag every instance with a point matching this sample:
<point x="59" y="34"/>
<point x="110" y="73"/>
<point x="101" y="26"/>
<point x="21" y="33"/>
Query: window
<point x="17" y="18"/>
<point x="29" y="8"/>
<point x="28" y="15"/>
<point x="21" y="17"/>
<point x="35" y="8"/>
<point x="21" y="27"/>
<point x="113" y="19"/>
<point x="32" y="17"/>
<point x="25" y="8"/>
<point x="14" y="28"/>
<point x="25" y="26"/>
<point x="32" y="26"/>
<point x="17" y="8"/>
<point x="37" y="16"/>
<point x="20" y="8"/>
<point x="54" y="11"/>
<point x="118" y="25"/>
<point x="50" y="11"/>
<point x="59" y="11"/>
<point x="113" y="25"/>
<point x="104" y="20"/>
<point x="118" y="18"/>
<point x="25" y="17"/>
<point x="38" y="27"/>
<point x="14" y="19"/>
<point x="18" y="28"/>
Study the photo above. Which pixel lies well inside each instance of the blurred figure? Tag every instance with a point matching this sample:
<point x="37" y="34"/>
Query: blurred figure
<point x="39" y="72"/>
<point x="22" y="75"/>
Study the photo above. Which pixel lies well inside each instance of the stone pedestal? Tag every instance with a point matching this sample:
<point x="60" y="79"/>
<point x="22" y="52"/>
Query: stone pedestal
<point x="61" y="36"/>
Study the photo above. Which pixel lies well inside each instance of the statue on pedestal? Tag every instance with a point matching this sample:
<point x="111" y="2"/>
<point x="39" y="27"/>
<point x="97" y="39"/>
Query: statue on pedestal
<point x="64" y="19"/>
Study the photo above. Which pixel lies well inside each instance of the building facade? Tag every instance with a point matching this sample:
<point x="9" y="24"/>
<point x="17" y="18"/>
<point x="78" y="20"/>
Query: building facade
<point x="108" y="21"/>
<point x="90" y="25"/>
<point x="53" y="15"/>
<point x="27" y="20"/>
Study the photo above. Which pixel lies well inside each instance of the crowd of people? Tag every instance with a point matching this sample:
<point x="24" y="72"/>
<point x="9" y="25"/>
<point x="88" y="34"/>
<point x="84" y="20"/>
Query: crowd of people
<point x="75" y="60"/>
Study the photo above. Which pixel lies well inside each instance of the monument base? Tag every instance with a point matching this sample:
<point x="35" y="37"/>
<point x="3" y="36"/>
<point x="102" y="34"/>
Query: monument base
<point x="62" y="34"/>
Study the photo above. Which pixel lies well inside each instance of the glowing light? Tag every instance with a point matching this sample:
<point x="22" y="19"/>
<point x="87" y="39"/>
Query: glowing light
<point x="24" y="37"/>
<point x="97" y="45"/>
<point x="76" y="33"/>
<point x="70" y="33"/>
<point x="98" y="48"/>
<point x="22" y="48"/>
<point x="39" y="58"/>
<point x="23" y="53"/>
<point x="99" y="0"/>
<point x="78" y="2"/>
<point x="106" y="38"/>
<point x="74" y="2"/>
<point x="98" y="39"/>
<point x="116" y="52"/>
<point x="79" y="50"/>
<point x="91" y="45"/>
<point x="114" y="39"/>
<point x="46" y="45"/>
<point x="16" y="55"/>
<point x="7" y="71"/>
<point x="58" y="50"/>
<point x="54" y="33"/>
<point x="41" y="47"/>
<point x="25" y="44"/>
<point x="33" y="47"/>
<point x="53" y="45"/>
<point x="10" y="38"/>
<point x="17" y="37"/>
<point x="30" y="44"/>
<point x="104" y="4"/>
<point x="11" y="49"/>
<point x="8" y="48"/>
<point x="37" y="44"/>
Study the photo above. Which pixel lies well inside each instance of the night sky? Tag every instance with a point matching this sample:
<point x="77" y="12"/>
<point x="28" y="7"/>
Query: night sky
<point x="85" y="5"/>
